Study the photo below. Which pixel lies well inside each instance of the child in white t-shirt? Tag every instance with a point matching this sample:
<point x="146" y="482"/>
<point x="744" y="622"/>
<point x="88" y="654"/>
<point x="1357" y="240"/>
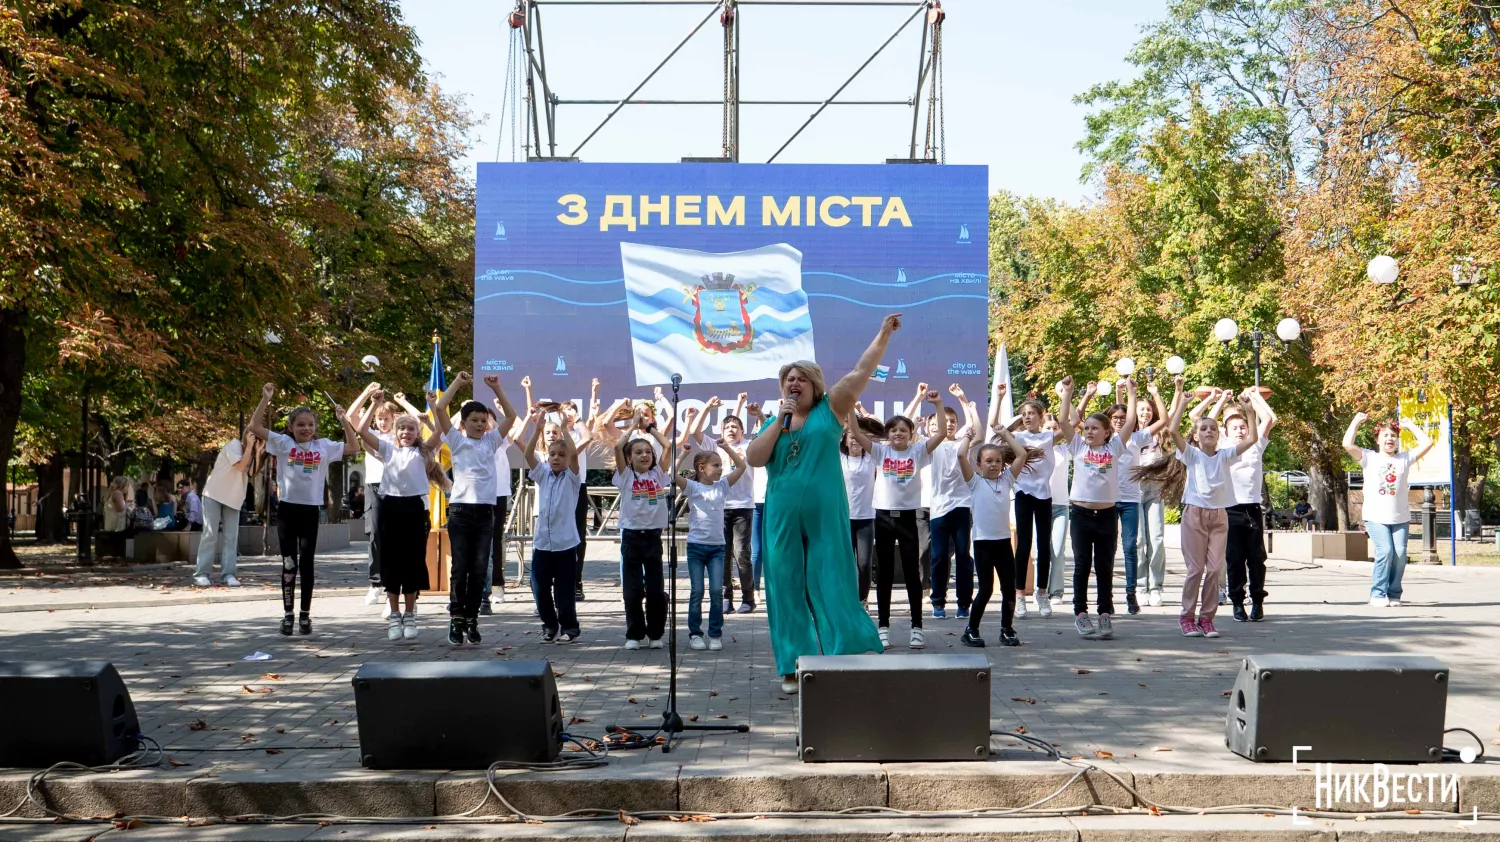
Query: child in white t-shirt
<point x="1208" y="491"/>
<point x="302" y="461"/>
<point x="991" y="487"/>
<point x="644" y="509"/>
<point x="898" y="495"/>
<point x="1096" y="489"/>
<point x="706" y="491"/>
<point x="1387" y="507"/>
<point x="554" y="549"/>
<point x="859" y="485"/>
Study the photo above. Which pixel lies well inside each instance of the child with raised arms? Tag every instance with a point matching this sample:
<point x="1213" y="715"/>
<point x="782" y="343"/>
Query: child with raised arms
<point x="471" y="514"/>
<point x="1245" y="545"/>
<point x="554" y="554"/>
<point x="1207" y="492"/>
<point x="302" y="461"/>
<point x="1387" y="510"/>
<point x="643" y="515"/>
<point x="898" y="495"/>
<point x="705" y="492"/>
<point x="859" y="484"/>
<point x="404" y="521"/>
<point x="1096" y="490"/>
<point x="991" y="486"/>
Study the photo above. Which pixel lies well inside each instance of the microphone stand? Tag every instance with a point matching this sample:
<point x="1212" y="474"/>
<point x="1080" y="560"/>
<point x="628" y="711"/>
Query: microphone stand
<point x="671" y="720"/>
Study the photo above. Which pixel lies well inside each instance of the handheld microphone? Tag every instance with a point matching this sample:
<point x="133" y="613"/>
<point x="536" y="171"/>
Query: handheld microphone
<point x="786" y="422"/>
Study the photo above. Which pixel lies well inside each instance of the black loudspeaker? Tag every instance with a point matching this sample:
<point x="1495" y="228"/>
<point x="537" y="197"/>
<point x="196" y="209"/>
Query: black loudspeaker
<point x="1340" y="708"/>
<point x="456" y="715"/>
<point x="58" y="711"/>
<point x="893" y="708"/>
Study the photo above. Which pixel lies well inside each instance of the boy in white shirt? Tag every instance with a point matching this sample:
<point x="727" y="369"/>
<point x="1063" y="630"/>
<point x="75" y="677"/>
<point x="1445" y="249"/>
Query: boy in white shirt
<point x="554" y="554"/>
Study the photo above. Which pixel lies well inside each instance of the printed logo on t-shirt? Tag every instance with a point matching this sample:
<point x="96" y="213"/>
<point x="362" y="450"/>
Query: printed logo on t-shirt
<point x="900" y="470"/>
<point x="1098" y="461"/>
<point x="309" y="460"/>
<point x="645" y="488"/>
<point x="1387" y="484"/>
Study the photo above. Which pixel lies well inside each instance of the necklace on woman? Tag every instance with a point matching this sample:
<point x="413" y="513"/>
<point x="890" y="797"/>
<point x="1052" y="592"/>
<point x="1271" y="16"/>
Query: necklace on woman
<point x="795" y="449"/>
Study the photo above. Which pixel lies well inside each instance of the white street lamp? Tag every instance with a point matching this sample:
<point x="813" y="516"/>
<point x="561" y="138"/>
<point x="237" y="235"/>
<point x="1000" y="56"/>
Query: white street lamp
<point x="1225" y="330"/>
<point x="1288" y="330"/>
<point x="1383" y="269"/>
<point x="1125" y="367"/>
<point x="1175" y="365"/>
<point x="371" y="362"/>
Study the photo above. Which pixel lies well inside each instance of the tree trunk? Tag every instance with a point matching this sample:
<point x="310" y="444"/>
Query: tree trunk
<point x="12" y="370"/>
<point x="50" y="523"/>
<point x="1327" y="492"/>
<point x="1463" y="468"/>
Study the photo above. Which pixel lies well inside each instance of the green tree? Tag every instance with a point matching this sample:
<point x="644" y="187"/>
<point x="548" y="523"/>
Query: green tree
<point x="149" y="232"/>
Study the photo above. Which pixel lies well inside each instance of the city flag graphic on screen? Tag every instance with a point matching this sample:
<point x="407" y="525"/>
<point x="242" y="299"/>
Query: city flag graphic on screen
<point x="715" y="318"/>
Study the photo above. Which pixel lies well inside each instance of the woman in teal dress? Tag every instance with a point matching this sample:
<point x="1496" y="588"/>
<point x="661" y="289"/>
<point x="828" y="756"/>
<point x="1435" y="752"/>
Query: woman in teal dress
<point x="812" y="594"/>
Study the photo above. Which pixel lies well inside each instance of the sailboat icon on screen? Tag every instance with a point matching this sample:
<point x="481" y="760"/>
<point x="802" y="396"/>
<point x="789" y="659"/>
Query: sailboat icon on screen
<point x="500" y="231"/>
<point x="963" y="235"/>
<point x="900" y="276"/>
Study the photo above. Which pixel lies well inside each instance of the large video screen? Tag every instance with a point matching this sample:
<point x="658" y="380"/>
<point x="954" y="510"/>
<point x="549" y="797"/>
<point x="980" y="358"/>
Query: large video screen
<point x="724" y="272"/>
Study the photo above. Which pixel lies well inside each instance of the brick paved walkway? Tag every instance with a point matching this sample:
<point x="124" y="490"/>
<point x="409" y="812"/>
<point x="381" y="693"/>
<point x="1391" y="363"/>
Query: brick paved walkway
<point x="1151" y="697"/>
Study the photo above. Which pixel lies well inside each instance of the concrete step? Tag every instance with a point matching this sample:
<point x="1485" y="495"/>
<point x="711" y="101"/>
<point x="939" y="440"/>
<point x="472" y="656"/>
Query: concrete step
<point x="1119" y="828"/>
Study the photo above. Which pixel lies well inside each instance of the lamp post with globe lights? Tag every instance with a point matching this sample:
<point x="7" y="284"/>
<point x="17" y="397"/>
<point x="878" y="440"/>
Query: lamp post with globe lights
<point x="1287" y="331"/>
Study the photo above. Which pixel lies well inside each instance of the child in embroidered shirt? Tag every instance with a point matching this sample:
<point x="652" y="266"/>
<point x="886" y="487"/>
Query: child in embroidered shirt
<point x="705" y="493"/>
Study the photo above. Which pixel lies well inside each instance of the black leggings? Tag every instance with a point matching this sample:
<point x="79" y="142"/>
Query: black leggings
<point x="891" y="529"/>
<point x="993" y="558"/>
<point x="581" y="520"/>
<point x="862" y="533"/>
<point x="1033" y="514"/>
<point x="1095" y="533"/>
<point x="297" y="533"/>
<point x="497" y="546"/>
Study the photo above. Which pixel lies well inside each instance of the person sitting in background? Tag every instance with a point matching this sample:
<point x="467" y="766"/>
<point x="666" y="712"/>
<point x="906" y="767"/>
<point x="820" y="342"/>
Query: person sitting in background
<point x="191" y="516"/>
<point x="162" y="499"/>
<point x="117" y="505"/>
<point x="354" y="500"/>
<point x="1303" y="513"/>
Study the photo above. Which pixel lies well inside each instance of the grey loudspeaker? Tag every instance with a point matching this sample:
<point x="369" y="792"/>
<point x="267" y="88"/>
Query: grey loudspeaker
<point x="57" y="711"/>
<point x="1346" y="708"/>
<point x="442" y="715"/>
<point x="893" y="707"/>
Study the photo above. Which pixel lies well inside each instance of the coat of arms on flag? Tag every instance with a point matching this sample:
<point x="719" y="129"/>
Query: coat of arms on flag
<point x="715" y="317"/>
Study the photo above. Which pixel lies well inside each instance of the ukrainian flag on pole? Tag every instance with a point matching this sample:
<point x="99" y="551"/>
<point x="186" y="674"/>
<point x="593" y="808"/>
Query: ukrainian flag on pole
<point x="437" y="381"/>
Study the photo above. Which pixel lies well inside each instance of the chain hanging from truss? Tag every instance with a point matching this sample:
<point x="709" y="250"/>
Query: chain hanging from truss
<point x="935" y="145"/>
<point x="511" y="95"/>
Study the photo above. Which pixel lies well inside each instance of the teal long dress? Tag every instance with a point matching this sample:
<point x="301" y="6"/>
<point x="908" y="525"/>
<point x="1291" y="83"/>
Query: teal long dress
<point x="812" y="593"/>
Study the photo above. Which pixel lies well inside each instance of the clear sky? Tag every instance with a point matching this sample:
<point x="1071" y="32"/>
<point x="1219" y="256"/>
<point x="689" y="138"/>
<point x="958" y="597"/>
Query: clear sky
<point x="1011" y="70"/>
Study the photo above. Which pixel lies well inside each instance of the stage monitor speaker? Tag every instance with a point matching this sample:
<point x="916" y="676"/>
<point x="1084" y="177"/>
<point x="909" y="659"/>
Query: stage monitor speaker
<point x="442" y="715"/>
<point x="1342" y="708"/>
<point x="880" y="708"/>
<point x="56" y="711"/>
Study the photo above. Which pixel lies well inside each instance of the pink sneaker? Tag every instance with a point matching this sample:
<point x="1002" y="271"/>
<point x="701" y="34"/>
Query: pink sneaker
<point x="1189" y="628"/>
<point x="1206" y="626"/>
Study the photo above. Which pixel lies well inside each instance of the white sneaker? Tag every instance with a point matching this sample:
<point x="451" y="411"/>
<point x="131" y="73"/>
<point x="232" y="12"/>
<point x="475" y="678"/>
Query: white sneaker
<point x="1395" y="603"/>
<point x="231" y="582"/>
<point x="1379" y="602"/>
<point x="1044" y="605"/>
<point x="885" y="638"/>
<point x="1021" y="608"/>
<point x="393" y="627"/>
<point x="656" y="644"/>
<point x="917" y="640"/>
<point x="715" y="644"/>
<point x="789" y="686"/>
<point x="696" y="642"/>
<point x="375" y="595"/>
<point x="409" y="625"/>
<point x="201" y="581"/>
<point x="1155" y="597"/>
<point x="632" y="644"/>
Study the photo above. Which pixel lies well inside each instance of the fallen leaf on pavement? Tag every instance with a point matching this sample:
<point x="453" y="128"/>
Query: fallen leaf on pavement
<point x="721" y="716"/>
<point x="574" y="720"/>
<point x="1026" y="699"/>
<point x="270" y="676"/>
<point x="1160" y="748"/>
<point x="1102" y="754"/>
<point x="693" y="718"/>
<point x="1020" y="729"/>
<point x="1227" y="693"/>
<point x="175" y="762"/>
<point x="273" y="751"/>
<point x="1082" y="671"/>
<point x="197" y="725"/>
<point x="631" y="701"/>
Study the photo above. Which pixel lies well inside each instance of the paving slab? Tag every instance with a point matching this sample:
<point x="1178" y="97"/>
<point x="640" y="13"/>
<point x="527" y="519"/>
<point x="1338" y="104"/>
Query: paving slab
<point x="286" y="792"/>
<point x="610" y="788"/>
<point x="149" y="792"/>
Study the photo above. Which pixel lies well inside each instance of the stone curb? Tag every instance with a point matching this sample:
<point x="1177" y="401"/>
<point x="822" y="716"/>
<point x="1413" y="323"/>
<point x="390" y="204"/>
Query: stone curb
<point x="190" y="599"/>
